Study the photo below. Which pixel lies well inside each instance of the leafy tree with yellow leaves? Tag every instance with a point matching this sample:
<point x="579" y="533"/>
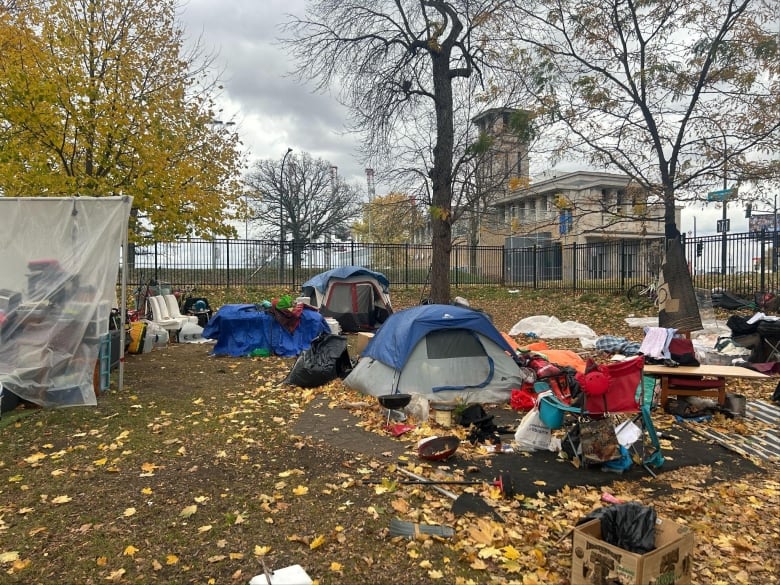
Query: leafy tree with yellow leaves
<point x="389" y="219"/>
<point x="98" y="98"/>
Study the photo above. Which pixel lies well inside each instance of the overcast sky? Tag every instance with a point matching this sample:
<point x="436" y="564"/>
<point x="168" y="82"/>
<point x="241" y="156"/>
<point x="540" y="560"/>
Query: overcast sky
<point x="273" y="112"/>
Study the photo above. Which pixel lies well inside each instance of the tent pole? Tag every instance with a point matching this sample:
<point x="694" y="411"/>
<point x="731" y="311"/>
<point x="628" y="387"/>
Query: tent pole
<point x="123" y="309"/>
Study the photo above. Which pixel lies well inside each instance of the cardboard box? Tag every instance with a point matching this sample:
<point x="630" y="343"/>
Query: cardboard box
<point x="362" y="341"/>
<point x="596" y="561"/>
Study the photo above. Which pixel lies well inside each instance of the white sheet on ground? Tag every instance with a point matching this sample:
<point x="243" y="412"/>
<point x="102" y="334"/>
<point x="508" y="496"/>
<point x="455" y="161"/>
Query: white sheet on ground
<point x="546" y="327"/>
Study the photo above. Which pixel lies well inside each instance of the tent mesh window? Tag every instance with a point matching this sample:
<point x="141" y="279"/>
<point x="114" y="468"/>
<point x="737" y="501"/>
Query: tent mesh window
<point x="454" y="343"/>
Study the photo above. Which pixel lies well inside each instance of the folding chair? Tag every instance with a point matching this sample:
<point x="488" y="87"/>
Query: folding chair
<point x="770" y="334"/>
<point x="626" y="399"/>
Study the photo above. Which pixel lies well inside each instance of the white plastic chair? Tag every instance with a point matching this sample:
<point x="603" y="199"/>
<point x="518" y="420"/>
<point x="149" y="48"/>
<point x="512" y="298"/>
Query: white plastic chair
<point x="161" y="317"/>
<point x="173" y="310"/>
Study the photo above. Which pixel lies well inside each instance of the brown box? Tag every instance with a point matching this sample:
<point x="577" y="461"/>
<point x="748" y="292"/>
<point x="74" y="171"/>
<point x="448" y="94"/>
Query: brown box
<point x="362" y="341"/>
<point x="595" y="561"/>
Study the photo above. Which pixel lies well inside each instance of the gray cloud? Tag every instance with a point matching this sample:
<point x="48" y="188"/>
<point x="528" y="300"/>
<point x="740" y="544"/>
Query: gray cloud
<point x="273" y="110"/>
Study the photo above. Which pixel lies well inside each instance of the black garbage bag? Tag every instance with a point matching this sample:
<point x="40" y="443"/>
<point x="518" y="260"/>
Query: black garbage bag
<point x="630" y="526"/>
<point x="326" y="360"/>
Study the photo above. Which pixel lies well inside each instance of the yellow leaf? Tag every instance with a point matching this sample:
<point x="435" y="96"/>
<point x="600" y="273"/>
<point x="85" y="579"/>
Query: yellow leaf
<point x="234" y="556"/>
<point x="216" y="558"/>
<point x="301" y="490"/>
<point x="205" y="528"/>
<point x="148" y="467"/>
<point x="146" y="491"/>
<point x="435" y="574"/>
<point x="478" y="565"/>
<point x="61" y="500"/>
<point x="317" y="542"/>
<point x="426" y="564"/>
<point x="171" y="559"/>
<point x="511" y="553"/>
<point x="129" y="512"/>
<point x="334" y="566"/>
<point x="15" y="478"/>
<point x="19" y="565"/>
<point x="188" y="511"/>
<point x="57" y="472"/>
<point x="130" y="550"/>
<point x="489" y="552"/>
<point x="541" y="560"/>
<point x="540" y="482"/>
<point x="400" y="506"/>
<point x="156" y="565"/>
<point x="9" y="557"/>
<point x="101" y="461"/>
<point x="261" y="551"/>
<point x="201" y="499"/>
<point x="101" y="561"/>
<point x="115" y="575"/>
<point x="35" y="457"/>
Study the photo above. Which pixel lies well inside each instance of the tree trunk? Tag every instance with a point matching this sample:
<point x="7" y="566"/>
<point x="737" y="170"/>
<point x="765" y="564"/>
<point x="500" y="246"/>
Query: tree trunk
<point x="441" y="179"/>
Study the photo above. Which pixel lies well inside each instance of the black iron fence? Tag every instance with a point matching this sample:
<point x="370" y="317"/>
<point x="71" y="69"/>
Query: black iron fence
<point x="742" y="263"/>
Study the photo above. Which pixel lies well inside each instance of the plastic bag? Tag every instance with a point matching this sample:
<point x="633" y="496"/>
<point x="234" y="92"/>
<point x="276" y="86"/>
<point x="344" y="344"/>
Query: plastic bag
<point x="630" y="526"/>
<point x="418" y="408"/>
<point x="326" y="360"/>
<point x="532" y="434"/>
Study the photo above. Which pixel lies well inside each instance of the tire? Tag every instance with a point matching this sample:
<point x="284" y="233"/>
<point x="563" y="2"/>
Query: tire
<point x="636" y="293"/>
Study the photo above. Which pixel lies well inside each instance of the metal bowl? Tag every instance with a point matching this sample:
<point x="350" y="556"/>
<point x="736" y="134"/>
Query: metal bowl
<point x="394" y="401"/>
<point x="438" y="448"/>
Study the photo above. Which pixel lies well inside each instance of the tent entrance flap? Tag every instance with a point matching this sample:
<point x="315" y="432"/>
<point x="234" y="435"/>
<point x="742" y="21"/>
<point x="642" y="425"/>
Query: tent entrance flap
<point x="351" y="304"/>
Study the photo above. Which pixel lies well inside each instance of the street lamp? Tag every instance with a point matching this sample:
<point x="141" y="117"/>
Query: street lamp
<point x="281" y="217"/>
<point x="724" y="233"/>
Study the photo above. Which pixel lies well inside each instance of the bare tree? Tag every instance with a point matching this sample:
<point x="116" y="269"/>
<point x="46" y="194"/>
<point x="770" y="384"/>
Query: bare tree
<point x="300" y="197"/>
<point x="401" y="65"/>
<point x="680" y="96"/>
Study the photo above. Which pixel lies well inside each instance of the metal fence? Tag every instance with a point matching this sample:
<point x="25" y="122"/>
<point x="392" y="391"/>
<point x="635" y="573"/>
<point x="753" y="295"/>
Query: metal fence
<point x="742" y="263"/>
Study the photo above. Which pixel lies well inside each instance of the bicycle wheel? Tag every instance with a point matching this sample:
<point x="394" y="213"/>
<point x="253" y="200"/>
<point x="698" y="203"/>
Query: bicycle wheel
<point x="637" y="292"/>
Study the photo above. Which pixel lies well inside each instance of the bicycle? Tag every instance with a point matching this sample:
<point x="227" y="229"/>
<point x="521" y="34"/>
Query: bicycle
<point x="647" y="293"/>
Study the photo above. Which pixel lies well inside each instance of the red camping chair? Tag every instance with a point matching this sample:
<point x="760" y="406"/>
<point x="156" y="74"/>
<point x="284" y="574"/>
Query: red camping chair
<point x="617" y="391"/>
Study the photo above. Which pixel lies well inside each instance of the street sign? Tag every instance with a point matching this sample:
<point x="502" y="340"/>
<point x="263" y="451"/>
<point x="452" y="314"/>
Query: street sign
<point x="722" y="194"/>
<point x="719" y="226"/>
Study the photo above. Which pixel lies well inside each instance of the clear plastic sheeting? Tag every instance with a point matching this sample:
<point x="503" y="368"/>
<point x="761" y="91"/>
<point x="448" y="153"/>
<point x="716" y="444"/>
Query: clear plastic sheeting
<point x="59" y="259"/>
<point x="546" y="327"/>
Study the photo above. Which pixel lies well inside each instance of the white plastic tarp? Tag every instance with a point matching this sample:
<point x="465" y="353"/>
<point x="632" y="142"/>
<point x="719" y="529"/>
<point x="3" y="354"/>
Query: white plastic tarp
<point x="59" y="259"/>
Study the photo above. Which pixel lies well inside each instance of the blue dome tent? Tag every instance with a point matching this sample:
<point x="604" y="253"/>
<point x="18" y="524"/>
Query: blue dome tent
<point x="442" y="352"/>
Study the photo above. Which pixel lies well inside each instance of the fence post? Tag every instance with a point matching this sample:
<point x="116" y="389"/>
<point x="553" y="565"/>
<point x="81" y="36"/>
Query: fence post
<point x="502" y="263"/>
<point x="406" y="263"/>
<point x="227" y="261"/>
<point x="535" y="265"/>
<point x="574" y="266"/>
<point x="156" y="265"/>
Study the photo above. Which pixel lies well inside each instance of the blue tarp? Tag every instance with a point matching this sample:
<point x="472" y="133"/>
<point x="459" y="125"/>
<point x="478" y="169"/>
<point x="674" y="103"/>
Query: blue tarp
<point x="398" y="336"/>
<point x="320" y="282"/>
<point x="241" y="329"/>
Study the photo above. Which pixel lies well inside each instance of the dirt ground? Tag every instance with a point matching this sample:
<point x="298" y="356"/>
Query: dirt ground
<point x="202" y="468"/>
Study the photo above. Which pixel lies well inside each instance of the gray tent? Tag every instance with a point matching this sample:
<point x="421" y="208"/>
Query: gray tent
<point x="442" y="352"/>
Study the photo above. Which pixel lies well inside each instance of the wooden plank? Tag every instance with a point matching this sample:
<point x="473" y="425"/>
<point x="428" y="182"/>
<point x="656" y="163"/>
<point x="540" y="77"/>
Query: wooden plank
<point x="706" y="370"/>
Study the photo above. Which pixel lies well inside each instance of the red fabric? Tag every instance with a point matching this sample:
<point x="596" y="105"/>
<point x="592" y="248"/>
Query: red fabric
<point x="694" y="383"/>
<point x="523" y="399"/>
<point x="624" y="379"/>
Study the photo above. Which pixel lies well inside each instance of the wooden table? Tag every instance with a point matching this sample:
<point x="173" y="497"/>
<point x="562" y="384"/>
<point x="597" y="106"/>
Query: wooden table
<point x="715" y="372"/>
